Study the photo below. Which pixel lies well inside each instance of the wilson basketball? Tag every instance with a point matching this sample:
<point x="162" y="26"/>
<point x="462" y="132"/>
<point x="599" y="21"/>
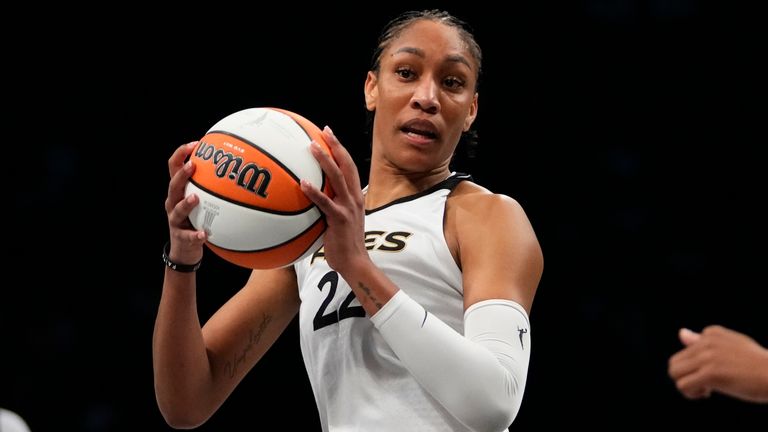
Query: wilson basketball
<point x="248" y="169"/>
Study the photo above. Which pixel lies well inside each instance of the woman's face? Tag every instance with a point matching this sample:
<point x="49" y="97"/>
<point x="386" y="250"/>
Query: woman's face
<point x="424" y="97"/>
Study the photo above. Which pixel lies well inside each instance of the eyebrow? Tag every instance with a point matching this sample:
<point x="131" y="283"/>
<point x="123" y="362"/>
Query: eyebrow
<point x="455" y="58"/>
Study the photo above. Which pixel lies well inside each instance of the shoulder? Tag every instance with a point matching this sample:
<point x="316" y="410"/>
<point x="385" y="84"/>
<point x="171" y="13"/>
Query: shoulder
<point x="495" y="245"/>
<point x="476" y="217"/>
<point x="471" y="202"/>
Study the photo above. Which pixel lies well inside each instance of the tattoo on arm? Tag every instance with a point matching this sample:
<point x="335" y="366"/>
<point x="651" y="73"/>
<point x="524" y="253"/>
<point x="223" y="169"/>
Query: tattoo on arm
<point x="367" y="292"/>
<point x="254" y="336"/>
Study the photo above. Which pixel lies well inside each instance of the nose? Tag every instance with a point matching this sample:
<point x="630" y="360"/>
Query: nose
<point x="425" y="96"/>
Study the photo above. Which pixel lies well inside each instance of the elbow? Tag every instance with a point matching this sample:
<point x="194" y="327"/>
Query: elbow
<point x="180" y="419"/>
<point x="492" y="420"/>
<point x="494" y="411"/>
<point x="502" y="418"/>
<point x="180" y="423"/>
<point x="182" y="416"/>
<point x="183" y="407"/>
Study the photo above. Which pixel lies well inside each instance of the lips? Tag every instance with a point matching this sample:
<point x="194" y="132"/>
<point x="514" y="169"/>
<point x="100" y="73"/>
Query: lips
<point x="420" y="127"/>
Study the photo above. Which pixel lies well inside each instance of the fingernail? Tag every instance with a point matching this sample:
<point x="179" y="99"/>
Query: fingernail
<point x="188" y="166"/>
<point x="191" y="198"/>
<point x="329" y="130"/>
<point x="191" y="144"/>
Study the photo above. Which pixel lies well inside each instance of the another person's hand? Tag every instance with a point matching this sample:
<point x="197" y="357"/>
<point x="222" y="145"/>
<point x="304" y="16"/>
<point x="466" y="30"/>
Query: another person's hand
<point x="721" y="360"/>
<point x="186" y="242"/>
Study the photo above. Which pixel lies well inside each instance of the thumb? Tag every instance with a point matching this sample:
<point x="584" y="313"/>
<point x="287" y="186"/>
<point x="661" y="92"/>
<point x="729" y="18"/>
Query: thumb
<point x="687" y="336"/>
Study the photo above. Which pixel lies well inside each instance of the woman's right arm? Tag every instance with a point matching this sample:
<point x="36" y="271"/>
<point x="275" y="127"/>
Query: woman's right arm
<point x="196" y="368"/>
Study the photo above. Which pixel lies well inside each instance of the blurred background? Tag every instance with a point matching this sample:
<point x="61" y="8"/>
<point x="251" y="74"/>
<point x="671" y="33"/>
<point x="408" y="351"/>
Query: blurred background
<point x="629" y="130"/>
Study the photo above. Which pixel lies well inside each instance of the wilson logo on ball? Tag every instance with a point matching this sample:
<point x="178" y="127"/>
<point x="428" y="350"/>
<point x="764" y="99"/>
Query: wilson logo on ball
<point x="247" y="175"/>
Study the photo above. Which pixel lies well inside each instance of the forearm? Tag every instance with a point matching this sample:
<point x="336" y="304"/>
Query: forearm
<point x="182" y="371"/>
<point x="748" y="381"/>
<point x="371" y="286"/>
<point x="479" y="378"/>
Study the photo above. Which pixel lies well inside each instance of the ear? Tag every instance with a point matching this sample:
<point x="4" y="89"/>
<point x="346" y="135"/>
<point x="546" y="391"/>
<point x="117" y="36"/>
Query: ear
<point x="472" y="114"/>
<point x="371" y="91"/>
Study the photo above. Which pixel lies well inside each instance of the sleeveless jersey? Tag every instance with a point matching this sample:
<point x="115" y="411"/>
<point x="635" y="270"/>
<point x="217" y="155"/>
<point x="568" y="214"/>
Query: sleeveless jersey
<point x="358" y="382"/>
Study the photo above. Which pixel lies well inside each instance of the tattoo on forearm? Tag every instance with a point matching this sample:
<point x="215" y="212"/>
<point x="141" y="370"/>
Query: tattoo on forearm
<point x="254" y="336"/>
<point x="367" y="292"/>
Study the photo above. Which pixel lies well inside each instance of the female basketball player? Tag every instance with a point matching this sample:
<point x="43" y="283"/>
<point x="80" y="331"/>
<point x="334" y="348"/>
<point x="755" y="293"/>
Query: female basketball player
<point x="414" y="313"/>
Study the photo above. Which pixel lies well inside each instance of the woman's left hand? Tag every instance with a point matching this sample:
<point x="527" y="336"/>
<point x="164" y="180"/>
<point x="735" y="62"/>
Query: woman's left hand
<point x="344" y="242"/>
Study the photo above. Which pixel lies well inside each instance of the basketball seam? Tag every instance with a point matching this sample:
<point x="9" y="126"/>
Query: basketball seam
<point x="251" y="206"/>
<point x="322" y="173"/>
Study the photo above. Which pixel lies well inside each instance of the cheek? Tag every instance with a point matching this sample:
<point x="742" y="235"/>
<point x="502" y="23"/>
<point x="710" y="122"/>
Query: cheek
<point x="460" y="112"/>
<point x="391" y="103"/>
<point x="394" y="93"/>
<point x="455" y="117"/>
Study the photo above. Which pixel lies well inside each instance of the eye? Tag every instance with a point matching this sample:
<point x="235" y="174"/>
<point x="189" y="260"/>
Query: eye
<point x="453" y="83"/>
<point x="405" y="73"/>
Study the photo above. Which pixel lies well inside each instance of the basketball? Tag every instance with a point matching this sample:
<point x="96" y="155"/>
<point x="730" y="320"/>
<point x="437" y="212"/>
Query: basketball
<point x="248" y="169"/>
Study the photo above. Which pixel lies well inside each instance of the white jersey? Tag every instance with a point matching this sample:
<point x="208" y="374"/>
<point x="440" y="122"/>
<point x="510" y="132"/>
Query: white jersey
<point x="358" y="382"/>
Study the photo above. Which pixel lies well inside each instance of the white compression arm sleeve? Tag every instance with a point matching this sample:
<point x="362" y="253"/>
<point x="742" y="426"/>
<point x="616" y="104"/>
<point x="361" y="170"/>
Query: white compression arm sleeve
<point x="479" y="377"/>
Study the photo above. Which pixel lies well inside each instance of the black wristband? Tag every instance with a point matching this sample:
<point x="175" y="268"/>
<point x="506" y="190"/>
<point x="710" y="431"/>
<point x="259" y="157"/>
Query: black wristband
<point x="183" y="268"/>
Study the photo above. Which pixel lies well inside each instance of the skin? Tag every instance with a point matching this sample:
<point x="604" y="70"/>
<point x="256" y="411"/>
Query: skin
<point x="720" y="360"/>
<point x="426" y="81"/>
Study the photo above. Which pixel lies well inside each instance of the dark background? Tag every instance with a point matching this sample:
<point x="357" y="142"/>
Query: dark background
<point x="629" y="131"/>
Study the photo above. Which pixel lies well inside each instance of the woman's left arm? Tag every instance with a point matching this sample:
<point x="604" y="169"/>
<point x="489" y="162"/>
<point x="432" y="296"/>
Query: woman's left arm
<point x="479" y="377"/>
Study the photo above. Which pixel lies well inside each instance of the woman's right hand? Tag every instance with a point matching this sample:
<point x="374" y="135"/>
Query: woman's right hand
<point x="186" y="242"/>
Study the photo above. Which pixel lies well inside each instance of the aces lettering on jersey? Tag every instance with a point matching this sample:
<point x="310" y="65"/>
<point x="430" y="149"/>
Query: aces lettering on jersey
<point x="383" y="241"/>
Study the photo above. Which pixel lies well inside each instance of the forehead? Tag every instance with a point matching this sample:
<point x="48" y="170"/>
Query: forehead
<point x="432" y="38"/>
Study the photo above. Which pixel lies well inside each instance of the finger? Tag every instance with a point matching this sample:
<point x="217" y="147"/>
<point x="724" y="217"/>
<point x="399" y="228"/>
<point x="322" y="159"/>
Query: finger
<point x="682" y="363"/>
<point x="177" y="185"/>
<point x="694" y="386"/>
<point x="331" y="170"/>
<point x="716" y="330"/>
<point x="192" y="237"/>
<point x="186" y="245"/>
<point x="176" y="161"/>
<point x="188" y="237"/>
<point x="687" y="336"/>
<point x="179" y="215"/>
<point x="321" y="200"/>
<point x="343" y="158"/>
